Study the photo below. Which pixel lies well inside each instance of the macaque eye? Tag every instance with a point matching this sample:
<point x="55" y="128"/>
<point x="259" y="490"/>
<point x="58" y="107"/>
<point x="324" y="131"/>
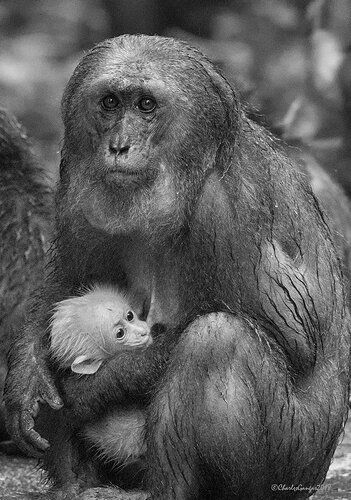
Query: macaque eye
<point x="110" y="102"/>
<point x="120" y="334"/>
<point x="130" y="316"/>
<point x="146" y="104"/>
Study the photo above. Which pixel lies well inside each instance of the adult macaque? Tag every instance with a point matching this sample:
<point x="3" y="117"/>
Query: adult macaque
<point x="165" y="180"/>
<point x="25" y="205"/>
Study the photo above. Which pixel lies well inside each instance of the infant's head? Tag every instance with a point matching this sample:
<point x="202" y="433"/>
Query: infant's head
<point x="87" y="329"/>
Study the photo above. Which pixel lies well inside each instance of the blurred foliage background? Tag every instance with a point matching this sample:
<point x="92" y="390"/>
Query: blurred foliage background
<point x="290" y="59"/>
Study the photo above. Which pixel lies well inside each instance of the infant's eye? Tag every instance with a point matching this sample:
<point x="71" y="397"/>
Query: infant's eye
<point x="130" y="316"/>
<point x="146" y="104"/>
<point x="120" y="334"/>
<point x="110" y="102"/>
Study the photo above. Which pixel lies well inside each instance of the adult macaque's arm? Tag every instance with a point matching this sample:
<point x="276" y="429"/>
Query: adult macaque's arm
<point x="28" y="383"/>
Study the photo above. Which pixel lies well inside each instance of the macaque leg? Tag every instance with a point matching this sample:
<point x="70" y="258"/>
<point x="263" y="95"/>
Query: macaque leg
<point x="230" y="414"/>
<point x="67" y="464"/>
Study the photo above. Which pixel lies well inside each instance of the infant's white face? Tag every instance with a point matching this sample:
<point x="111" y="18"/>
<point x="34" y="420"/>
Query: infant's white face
<point x="95" y="326"/>
<point x="119" y="324"/>
<point x="105" y="312"/>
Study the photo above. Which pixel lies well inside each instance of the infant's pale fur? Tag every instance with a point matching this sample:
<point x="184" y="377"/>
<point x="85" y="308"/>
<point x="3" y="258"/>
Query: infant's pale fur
<point x="87" y="329"/>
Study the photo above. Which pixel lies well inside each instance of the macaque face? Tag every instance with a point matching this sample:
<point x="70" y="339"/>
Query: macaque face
<point x="90" y="328"/>
<point x="122" y="118"/>
<point x="130" y="332"/>
<point x="134" y="129"/>
<point x="124" y="144"/>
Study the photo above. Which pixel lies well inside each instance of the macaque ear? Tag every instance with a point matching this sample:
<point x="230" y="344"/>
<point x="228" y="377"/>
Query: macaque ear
<point x="85" y="365"/>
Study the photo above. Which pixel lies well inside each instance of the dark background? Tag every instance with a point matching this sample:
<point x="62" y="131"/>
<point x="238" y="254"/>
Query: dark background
<point x="284" y="56"/>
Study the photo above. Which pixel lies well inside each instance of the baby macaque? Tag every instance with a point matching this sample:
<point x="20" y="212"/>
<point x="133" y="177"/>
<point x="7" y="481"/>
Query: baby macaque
<point x="88" y="329"/>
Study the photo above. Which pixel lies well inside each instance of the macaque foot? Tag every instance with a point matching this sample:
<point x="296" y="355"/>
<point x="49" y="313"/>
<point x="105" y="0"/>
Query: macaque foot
<point x="74" y="492"/>
<point x="66" y="493"/>
<point x="113" y="494"/>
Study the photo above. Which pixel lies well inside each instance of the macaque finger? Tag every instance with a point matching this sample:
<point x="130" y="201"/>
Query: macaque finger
<point x="35" y="443"/>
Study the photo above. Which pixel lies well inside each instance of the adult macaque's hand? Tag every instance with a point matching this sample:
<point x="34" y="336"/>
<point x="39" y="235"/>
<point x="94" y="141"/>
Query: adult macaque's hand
<point x="27" y="384"/>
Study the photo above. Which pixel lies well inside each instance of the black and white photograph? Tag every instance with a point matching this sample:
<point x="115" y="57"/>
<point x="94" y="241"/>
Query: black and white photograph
<point x="175" y="249"/>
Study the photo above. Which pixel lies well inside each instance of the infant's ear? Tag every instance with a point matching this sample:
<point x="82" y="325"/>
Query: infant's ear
<point x="85" y="365"/>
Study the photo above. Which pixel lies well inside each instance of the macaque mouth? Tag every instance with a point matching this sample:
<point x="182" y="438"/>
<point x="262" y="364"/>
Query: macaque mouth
<point x="125" y="171"/>
<point x="142" y="344"/>
<point x="118" y="174"/>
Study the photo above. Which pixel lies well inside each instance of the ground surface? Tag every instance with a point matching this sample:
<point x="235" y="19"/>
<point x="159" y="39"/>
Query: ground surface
<point x="21" y="479"/>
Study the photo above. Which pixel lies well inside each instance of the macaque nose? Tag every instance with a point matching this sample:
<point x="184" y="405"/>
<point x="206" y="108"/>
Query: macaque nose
<point x="119" y="146"/>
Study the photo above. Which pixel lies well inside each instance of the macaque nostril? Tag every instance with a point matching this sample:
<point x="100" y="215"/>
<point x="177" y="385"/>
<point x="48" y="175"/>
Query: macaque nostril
<point x="117" y="149"/>
<point x="123" y="150"/>
<point x="113" y="148"/>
